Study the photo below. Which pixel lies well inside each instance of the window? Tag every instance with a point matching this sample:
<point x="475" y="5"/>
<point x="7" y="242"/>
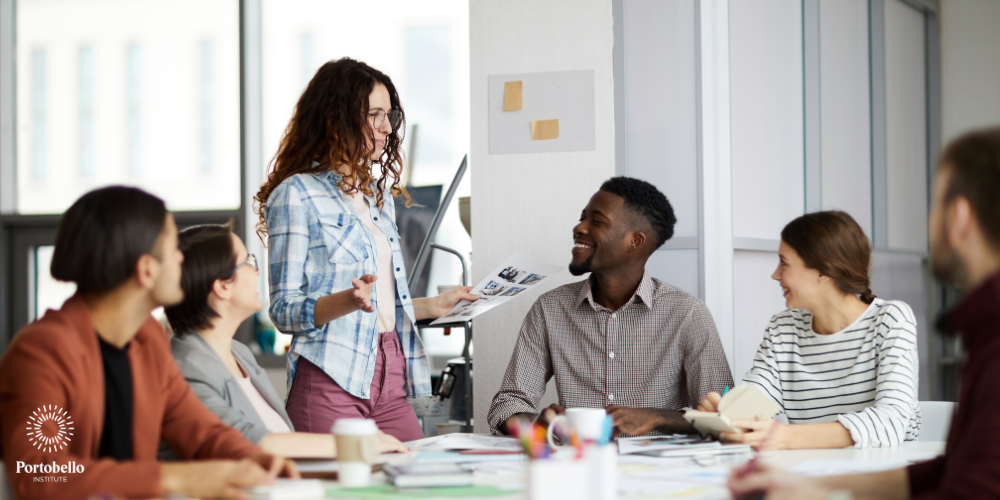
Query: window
<point x="124" y="92"/>
<point x="86" y="110"/>
<point x="39" y="117"/>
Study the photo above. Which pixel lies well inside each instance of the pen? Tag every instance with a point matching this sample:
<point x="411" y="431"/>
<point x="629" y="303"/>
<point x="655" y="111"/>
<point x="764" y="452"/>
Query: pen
<point x="725" y="391"/>
<point x="753" y="461"/>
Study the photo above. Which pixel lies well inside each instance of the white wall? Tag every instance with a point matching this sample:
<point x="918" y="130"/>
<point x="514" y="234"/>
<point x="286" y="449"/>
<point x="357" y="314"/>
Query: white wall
<point x="535" y="219"/>
<point x="970" y="68"/>
<point x="766" y="104"/>
<point x="845" y="110"/>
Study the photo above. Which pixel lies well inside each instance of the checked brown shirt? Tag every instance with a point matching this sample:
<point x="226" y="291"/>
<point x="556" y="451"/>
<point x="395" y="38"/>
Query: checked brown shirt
<point x="659" y="350"/>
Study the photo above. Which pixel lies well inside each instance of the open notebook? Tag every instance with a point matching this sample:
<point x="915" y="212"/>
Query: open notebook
<point x="743" y="402"/>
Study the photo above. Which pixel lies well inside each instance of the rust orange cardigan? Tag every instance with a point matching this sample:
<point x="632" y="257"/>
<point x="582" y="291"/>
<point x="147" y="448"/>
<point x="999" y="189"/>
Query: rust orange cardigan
<point x="57" y="361"/>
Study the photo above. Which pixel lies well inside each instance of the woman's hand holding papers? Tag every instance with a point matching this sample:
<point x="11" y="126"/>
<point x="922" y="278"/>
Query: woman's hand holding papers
<point x="435" y="307"/>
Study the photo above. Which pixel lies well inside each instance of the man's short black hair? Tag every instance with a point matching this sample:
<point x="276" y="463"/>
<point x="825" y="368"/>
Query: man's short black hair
<point x="208" y="256"/>
<point x="642" y="198"/>
<point x="102" y="235"/>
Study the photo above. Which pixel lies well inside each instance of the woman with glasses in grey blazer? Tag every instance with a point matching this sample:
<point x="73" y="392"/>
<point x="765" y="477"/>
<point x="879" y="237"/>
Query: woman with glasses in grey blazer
<point x="220" y="292"/>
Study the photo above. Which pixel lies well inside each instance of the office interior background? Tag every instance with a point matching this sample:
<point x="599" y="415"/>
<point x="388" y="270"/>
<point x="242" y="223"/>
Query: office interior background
<point x="746" y="113"/>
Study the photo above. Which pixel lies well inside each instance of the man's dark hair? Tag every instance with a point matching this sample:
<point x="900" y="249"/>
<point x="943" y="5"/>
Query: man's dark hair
<point x="974" y="163"/>
<point x="643" y="199"/>
<point x="208" y="256"/>
<point x="102" y="235"/>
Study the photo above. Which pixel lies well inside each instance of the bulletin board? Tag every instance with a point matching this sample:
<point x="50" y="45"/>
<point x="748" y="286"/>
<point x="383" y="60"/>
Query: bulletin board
<point x="566" y="96"/>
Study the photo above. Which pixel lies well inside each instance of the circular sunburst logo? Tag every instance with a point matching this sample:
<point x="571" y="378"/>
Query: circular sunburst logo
<point x="50" y="428"/>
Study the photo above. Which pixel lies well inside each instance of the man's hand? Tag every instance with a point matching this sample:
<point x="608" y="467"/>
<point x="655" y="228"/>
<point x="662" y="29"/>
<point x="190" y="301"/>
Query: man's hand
<point x="276" y="465"/>
<point x="755" y="432"/>
<point x="543" y="418"/>
<point x="636" y="421"/>
<point x="362" y="294"/>
<point x="389" y="444"/>
<point x="546" y="416"/>
<point x="758" y="477"/>
<point x="212" y="478"/>
<point x="710" y="402"/>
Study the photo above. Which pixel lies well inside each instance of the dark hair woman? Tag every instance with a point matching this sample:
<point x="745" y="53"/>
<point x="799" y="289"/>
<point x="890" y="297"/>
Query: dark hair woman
<point x="220" y="292"/>
<point x="327" y="210"/>
<point x="841" y="363"/>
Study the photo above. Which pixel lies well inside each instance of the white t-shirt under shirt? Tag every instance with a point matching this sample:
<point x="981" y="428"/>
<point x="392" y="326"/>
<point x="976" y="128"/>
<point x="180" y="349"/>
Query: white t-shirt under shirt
<point x="385" y="285"/>
<point x="272" y="420"/>
<point x="864" y="376"/>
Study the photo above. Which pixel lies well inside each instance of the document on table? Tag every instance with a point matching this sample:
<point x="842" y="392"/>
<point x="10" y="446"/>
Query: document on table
<point x="841" y="467"/>
<point x="516" y="275"/>
<point x="460" y="441"/>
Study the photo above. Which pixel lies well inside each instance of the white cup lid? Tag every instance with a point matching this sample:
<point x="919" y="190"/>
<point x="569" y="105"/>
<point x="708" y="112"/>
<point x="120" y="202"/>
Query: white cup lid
<point x="355" y="427"/>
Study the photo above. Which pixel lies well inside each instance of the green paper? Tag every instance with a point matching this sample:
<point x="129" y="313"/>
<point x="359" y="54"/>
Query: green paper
<point x="390" y="492"/>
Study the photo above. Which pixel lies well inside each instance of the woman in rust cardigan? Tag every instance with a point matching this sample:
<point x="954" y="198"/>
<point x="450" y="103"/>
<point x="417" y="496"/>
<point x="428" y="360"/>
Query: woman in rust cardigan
<point x="88" y="391"/>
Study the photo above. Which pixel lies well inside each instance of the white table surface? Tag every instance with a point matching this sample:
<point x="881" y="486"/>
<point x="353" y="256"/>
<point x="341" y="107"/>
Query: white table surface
<point x="786" y="458"/>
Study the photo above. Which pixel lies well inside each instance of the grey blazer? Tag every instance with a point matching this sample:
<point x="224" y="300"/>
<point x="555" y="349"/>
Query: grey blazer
<point x="218" y="389"/>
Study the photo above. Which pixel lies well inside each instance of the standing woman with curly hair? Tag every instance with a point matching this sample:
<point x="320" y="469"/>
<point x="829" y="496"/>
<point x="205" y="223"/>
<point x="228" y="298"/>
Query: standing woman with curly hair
<point x="337" y="279"/>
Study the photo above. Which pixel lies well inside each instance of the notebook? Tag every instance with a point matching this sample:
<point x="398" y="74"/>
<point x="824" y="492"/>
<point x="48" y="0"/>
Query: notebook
<point x="743" y="402"/>
<point x="418" y="475"/>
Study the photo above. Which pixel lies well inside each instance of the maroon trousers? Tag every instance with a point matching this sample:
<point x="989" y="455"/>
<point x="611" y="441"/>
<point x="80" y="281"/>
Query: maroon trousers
<point x="316" y="401"/>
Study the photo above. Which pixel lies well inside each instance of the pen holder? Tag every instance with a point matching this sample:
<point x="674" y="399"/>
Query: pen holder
<point x="602" y="470"/>
<point x="551" y="478"/>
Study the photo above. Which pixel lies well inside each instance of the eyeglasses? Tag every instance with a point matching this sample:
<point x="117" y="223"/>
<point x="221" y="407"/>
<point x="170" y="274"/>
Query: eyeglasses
<point x="378" y="118"/>
<point x="251" y="261"/>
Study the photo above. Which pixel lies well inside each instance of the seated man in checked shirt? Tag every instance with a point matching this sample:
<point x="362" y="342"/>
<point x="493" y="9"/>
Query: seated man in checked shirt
<point x="620" y="339"/>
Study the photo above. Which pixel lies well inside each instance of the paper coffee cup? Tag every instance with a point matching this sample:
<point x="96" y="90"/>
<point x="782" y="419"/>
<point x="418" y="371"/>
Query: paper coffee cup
<point x="357" y="450"/>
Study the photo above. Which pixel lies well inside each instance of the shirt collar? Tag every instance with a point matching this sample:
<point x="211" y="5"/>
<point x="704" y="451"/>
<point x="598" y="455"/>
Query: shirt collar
<point x="644" y="293"/>
<point x="976" y="316"/>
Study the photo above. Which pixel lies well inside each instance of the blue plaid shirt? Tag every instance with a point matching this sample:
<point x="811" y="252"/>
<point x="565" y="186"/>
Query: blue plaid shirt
<point x="316" y="244"/>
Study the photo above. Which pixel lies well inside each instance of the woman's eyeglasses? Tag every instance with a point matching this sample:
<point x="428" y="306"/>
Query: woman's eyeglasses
<point x="378" y="118"/>
<point x="251" y="261"/>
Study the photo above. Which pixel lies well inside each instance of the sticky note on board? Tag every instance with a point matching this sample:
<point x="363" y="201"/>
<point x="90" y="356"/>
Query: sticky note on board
<point x="544" y="129"/>
<point x="513" y="94"/>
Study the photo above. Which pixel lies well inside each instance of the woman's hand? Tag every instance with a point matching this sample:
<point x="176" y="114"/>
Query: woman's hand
<point x="755" y="432"/>
<point x="435" y="307"/>
<point x="389" y="444"/>
<point x="362" y="293"/>
<point x="710" y="402"/>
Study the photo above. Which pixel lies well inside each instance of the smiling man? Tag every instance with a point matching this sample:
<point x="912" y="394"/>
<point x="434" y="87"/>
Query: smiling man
<point x="619" y="339"/>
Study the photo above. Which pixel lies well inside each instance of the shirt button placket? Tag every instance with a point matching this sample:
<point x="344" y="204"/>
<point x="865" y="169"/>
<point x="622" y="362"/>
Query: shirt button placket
<point x="612" y="373"/>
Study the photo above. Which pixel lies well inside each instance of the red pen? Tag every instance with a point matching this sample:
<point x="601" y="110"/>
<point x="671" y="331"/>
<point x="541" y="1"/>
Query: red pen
<point x="747" y="467"/>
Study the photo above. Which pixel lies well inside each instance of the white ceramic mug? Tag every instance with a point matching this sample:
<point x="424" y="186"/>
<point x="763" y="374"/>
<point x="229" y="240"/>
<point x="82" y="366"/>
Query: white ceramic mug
<point x="357" y="449"/>
<point x="587" y="422"/>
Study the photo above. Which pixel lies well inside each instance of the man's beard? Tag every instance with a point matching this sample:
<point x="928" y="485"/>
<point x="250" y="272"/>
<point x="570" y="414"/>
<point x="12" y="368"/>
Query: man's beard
<point x="946" y="266"/>
<point x="582" y="268"/>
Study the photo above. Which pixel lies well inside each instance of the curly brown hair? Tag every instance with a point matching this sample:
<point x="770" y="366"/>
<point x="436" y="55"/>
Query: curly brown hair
<point x="330" y="127"/>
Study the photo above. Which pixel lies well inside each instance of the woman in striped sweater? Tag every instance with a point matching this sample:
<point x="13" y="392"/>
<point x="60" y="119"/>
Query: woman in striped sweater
<point x="841" y="363"/>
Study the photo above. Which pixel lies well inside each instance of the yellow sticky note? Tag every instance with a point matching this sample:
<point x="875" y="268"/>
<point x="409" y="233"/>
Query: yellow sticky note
<point x="513" y="94"/>
<point x="544" y="129"/>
